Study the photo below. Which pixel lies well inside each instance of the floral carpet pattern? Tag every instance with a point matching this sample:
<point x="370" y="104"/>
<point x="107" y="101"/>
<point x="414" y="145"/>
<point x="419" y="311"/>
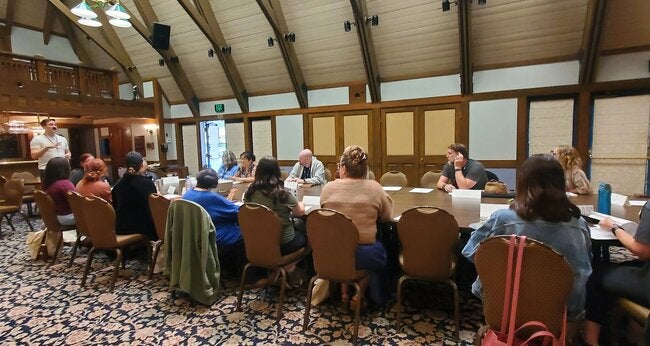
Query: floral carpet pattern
<point x="41" y="305"/>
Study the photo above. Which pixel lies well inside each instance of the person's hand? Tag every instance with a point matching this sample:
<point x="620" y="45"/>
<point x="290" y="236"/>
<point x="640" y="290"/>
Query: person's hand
<point x="459" y="162"/>
<point x="67" y="156"/>
<point x="606" y="223"/>
<point x="448" y="187"/>
<point x="232" y="193"/>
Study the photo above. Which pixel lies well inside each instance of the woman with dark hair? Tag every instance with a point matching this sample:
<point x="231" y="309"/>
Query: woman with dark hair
<point x="542" y="211"/>
<point x="574" y="177"/>
<point x="229" y="165"/>
<point x="364" y="201"/>
<point x="92" y="183"/>
<point x="57" y="185"/>
<point x="267" y="189"/>
<point x="131" y="199"/>
<point x="246" y="171"/>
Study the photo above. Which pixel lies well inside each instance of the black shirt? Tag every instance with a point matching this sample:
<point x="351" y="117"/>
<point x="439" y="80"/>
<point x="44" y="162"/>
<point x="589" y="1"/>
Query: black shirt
<point x="131" y="203"/>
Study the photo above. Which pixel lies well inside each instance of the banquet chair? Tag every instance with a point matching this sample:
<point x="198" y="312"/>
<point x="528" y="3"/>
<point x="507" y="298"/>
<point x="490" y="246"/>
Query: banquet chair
<point x="334" y="238"/>
<point x="430" y="179"/>
<point x="3" y="180"/>
<point x="48" y="214"/>
<point x="328" y="175"/>
<point x="13" y="202"/>
<point x="429" y="238"/>
<point x="637" y="312"/>
<point x="28" y="190"/>
<point x="159" y="207"/>
<point x="102" y="234"/>
<point x="261" y="229"/>
<point x="76" y="200"/>
<point x="370" y="175"/>
<point x="393" y="178"/>
<point x="546" y="282"/>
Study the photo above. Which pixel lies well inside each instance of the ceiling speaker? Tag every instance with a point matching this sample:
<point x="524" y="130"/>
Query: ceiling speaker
<point x="160" y="36"/>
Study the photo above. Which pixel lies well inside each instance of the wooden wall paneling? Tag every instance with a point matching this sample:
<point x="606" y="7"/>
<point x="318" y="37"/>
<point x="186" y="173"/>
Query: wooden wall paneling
<point x="400" y="142"/>
<point x="522" y="129"/>
<point x="433" y="123"/>
<point x="320" y="141"/>
<point x="583" y="129"/>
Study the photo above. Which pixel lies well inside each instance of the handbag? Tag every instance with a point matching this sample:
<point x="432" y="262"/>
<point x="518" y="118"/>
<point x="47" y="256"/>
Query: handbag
<point x="508" y="337"/>
<point x="34" y="241"/>
<point x="496" y="187"/>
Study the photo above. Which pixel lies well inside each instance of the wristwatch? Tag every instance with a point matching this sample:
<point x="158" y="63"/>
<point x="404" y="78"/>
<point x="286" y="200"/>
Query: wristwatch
<point x="457" y="169"/>
<point x="614" y="228"/>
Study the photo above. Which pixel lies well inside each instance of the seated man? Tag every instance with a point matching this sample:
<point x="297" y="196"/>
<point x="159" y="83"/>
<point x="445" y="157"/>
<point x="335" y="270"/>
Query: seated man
<point x="308" y="169"/>
<point x="460" y="172"/>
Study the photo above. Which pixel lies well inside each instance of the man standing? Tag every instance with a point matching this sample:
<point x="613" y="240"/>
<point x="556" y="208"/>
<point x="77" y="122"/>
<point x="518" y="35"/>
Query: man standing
<point x="48" y="145"/>
<point x="308" y="169"/>
<point x="460" y="172"/>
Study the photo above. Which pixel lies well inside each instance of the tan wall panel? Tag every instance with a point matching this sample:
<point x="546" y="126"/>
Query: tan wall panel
<point x="439" y="129"/>
<point x="399" y="133"/>
<point x="355" y="130"/>
<point x="324" y="134"/>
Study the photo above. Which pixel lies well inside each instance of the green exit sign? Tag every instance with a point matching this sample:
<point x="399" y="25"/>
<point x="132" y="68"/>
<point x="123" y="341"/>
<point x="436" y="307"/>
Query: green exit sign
<point x="219" y="107"/>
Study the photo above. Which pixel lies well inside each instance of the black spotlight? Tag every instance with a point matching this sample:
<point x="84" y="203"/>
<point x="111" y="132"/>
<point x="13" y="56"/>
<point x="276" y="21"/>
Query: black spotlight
<point x="446" y="6"/>
<point x="290" y="37"/>
<point x="270" y="41"/>
<point x="210" y="53"/>
<point x="226" y="50"/>
<point x="482" y="2"/>
<point x="347" y="26"/>
<point x="161" y="62"/>
<point x="373" y="20"/>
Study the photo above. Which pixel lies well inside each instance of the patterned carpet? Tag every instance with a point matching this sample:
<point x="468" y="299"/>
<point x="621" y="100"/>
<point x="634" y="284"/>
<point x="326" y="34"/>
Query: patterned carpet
<point x="47" y="306"/>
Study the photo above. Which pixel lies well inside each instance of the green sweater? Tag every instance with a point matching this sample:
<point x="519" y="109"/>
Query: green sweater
<point x="191" y="252"/>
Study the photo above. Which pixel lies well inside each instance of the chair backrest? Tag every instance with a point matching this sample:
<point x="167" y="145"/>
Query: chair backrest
<point x="13" y="192"/>
<point x="28" y="189"/>
<point x="393" y="178"/>
<point x="101" y="229"/>
<point x="546" y="282"/>
<point x="76" y="200"/>
<point x="491" y="176"/>
<point x="3" y="180"/>
<point x="430" y="179"/>
<point x="333" y="238"/>
<point x="261" y="229"/>
<point x="159" y="207"/>
<point x="284" y="175"/>
<point x="48" y="213"/>
<point x="328" y="175"/>
<point x="429" y="238"/>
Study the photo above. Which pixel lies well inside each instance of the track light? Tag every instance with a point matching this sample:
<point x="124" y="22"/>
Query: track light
<point x="270" y="41"/>
<point x="210" y="53"/>
<point x="226" y="50"/>
<point x="373" y="20"/>
<point x="161" y="62"/>
<point x="347" y="26"/>
<point x="290" y="37"/>
<point x="446" y="6"/>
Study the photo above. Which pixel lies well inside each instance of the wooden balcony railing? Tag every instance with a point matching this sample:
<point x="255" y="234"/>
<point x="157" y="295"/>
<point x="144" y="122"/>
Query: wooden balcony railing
<point x="35" y="74"/>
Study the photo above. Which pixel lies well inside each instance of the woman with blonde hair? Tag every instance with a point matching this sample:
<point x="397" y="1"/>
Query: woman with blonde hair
<point x="92" y="183"/>
<point x="575" y="178"/>
<point x="229" y="165"/>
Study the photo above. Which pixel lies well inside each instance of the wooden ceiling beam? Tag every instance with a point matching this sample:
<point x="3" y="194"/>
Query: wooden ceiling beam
<point x="48" y="23"/>
<point x="126" y="65"/>
<point x="465" y="46"/>
<point x="9" y="14"/>
<point x="590" y="48"/>
<point x="273" y="13"/>
<point x="203" y="16"/>
<point x="367" y="48"/>
<point x="171" y="59"/>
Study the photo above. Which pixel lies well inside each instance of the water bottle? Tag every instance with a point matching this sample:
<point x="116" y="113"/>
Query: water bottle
<point x="604" y="198"/>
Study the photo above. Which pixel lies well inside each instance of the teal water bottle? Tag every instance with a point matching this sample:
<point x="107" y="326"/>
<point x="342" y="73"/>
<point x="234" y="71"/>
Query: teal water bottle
<point x="604" y="198"/>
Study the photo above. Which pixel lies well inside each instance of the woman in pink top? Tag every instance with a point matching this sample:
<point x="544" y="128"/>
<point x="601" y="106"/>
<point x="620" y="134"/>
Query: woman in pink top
<point x="92" y="183"/>
<point x="57" y="185"/>
<point x="364" y="201"/>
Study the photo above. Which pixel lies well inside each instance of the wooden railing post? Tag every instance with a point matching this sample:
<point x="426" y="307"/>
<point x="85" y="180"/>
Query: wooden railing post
<point x="82" y="81"/>
<point x="116" y="85"/>
<point x="41" y="69"/>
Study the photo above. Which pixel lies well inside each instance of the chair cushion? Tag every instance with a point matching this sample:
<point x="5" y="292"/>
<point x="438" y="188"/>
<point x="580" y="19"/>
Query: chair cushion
<point x="128" y="239"/>
<point x="294" y="256"/>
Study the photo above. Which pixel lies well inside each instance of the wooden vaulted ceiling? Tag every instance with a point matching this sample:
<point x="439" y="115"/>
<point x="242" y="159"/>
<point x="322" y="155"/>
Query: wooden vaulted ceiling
<point x="414" y="39"/>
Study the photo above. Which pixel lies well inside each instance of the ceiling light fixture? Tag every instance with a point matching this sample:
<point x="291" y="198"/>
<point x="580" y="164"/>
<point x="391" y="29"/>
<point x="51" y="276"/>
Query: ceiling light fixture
<point x="117" y="13"/>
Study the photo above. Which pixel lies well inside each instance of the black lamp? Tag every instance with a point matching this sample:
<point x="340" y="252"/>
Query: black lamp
<point x="270" y="41"/>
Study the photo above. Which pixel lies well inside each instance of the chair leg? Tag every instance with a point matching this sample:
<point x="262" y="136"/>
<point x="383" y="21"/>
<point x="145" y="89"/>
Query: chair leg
<point x="357" y="314"/>
<point x="116" y="270"/>
<point x="283" y="288"/>
<point x="27" y="220"/>
<point x="154" y="257"/>
<point x="74" y="250"/>
<point x="310" y="288"/>
<point x="11" y="224"/>
<point x="400" y="283"/>
<point x="456" y="310"/>
<point x="59" y="243"/>
<point x="241" y="286"/>
<point x="89" y="260"/>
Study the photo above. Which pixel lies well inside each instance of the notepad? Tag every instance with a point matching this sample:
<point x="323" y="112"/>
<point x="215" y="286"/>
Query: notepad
<point x="464" y="193"/>
<point x="629" y="226"/>
<point x="311" y="200"/>
<point x="421" y="190"/>
<point x="392" y="188"/>
<point x="638" y="203"/>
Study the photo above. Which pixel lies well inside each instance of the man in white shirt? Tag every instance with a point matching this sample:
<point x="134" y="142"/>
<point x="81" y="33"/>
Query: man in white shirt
<point x="308" y="169"/>
<point x="48" y="145"/>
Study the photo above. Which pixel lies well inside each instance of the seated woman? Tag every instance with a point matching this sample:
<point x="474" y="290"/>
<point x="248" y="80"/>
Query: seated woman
<point x="267" y="189"/>
<point x="542" y="211"/>
<point x="364" y="201"/>
<point x="629" y="280"/>
<point x="131" y="199"/>
<point x="229" y="165"/>
<point x="575" y="178"/>
<point x="223" y="213"/>
<point x="57" y="185"/>
<point x="92" y="183"/>
<point x="246" y="172"/>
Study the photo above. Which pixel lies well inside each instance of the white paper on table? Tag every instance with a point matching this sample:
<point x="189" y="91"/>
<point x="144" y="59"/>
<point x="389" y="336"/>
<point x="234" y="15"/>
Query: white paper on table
<point x="292" y="185"/>
<point x="488" y="209"/>
<point x="637" y="203"/>
<point x="392" y="188"/>
<point x="464" y="193"/>
<point x="618" y="199"/>
<point x="421" y="190"/>
<point x="308" y="208"/>
<point x="586" y="209"/>
<point x="629" y="226"/>
<point x="570" y="194"/>
<point x="171" y="189"/>
<point x="597" y="233"/>
<point x="311" y="200"/>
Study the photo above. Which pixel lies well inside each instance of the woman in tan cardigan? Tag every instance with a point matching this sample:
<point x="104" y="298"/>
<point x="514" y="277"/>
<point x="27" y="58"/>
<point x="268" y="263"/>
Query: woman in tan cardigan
<point x="574" y="177"/>
<point x="364" y="201"/>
